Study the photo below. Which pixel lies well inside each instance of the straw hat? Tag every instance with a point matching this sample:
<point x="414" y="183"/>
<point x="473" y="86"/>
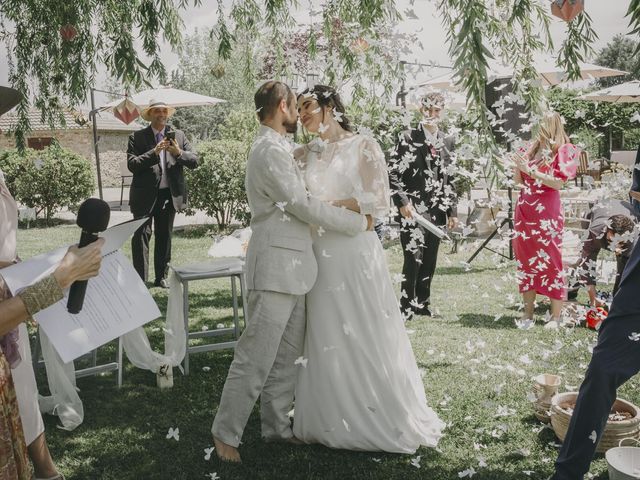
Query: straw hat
<point x="156" y="104"/>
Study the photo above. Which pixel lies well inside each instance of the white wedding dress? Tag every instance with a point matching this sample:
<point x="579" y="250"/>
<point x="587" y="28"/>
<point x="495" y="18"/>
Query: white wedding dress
<point x="359" y="387"/>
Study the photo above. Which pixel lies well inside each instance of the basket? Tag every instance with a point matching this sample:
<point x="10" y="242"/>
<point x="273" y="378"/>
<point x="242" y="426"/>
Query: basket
<point x="623" y="463"/>
<point x="613" y="433"/>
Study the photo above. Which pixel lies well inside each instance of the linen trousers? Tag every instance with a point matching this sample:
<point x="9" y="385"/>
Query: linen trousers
<point x="263" y="365"/>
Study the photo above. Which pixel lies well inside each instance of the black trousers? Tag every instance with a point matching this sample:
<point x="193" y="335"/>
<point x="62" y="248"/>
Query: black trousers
<point x="162" y="217"/>
<point x="418" y="268"/>
<point x="616" y="358"/>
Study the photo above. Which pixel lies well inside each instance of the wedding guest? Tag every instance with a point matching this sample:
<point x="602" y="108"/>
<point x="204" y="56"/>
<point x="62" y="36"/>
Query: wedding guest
<point x="634" y="193"/>
<point x="539" y="220"/>
<point x="615" y="359"/>
<point x="20" y="418"/>
<point x="156" y="156"/>
<point x="420" y="180"/>
<point x="610" y="226"/>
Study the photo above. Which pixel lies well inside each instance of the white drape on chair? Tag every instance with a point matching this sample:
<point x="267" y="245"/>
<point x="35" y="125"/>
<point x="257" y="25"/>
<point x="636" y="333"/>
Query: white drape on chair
<point x="64" y="400"/>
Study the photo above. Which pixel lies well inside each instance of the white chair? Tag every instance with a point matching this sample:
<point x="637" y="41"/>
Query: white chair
<point x="94" y="369"/>
<point x="232" y="268"/>
<point x="125" y="177"/>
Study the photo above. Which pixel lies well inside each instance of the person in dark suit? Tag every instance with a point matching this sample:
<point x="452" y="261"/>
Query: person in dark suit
<point x="156" y="156"/>
<point x="420" y="178"/>
<point x="634" y="193"/>
<point x="615" y="359"/>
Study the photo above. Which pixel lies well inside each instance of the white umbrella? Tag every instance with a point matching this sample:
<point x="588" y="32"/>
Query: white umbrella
<point x="551" y="75"/>
<point x="171" y="96"/>
<point x="129" y="108"/>
<point x="628" y="92"/>
<point x="548" y="73"/>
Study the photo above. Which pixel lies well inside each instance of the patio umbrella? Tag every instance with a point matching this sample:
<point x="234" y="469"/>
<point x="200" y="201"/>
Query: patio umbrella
<point x="129" y="109"/>
<point x="9" y="98"/>
<point x="628" y="92"/>
<point x="548" y="73"/>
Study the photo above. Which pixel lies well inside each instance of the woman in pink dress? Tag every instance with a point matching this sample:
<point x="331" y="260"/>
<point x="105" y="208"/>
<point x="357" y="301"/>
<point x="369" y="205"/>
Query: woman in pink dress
<point x="539" y="220"/>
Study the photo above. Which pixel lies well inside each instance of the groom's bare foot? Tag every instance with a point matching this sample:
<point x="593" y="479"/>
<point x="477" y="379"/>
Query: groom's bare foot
<point x="294" y="441"/>
<point x="291" y="440"/>
<point x="226" y="452"/>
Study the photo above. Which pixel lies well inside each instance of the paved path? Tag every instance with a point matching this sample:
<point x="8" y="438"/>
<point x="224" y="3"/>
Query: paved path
<point x="122" y="214"/>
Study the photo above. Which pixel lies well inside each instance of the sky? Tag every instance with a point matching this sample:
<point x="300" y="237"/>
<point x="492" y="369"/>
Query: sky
<point x="607" y="16"/>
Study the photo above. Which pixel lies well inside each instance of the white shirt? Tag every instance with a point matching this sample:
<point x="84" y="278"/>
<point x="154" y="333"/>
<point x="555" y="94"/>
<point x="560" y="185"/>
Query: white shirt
<point x="164" y="181"/>
<point x="431" y="138"/>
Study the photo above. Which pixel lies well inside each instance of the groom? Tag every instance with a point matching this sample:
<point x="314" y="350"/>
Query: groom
<point x="280" y="269"/>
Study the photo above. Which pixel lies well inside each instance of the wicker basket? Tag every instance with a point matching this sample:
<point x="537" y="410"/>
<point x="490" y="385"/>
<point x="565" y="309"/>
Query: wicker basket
<point x="613" y="431"/>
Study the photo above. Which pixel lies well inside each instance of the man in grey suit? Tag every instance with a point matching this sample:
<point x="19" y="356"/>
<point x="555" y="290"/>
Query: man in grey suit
<point x="280" y="269"/>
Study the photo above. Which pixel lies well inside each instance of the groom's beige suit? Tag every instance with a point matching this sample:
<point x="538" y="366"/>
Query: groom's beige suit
<point x="280" y="269"/>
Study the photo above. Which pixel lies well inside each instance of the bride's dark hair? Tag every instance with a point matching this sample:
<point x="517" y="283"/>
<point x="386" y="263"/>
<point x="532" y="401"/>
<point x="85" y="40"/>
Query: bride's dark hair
<point x="327" y="96"/>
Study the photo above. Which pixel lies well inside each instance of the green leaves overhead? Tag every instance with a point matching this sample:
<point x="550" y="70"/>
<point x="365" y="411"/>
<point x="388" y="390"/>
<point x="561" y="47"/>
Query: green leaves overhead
<point x="634" y="20"/>
<point x="577" y="46"/>
<point x="54" y="48"/>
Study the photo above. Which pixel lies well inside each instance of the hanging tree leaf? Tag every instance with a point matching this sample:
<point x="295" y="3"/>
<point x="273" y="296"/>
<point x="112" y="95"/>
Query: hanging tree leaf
<point x="53" y="70"/>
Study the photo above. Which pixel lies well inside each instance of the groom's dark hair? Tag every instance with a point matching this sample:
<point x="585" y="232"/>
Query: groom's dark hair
<point x="269" y="96"/>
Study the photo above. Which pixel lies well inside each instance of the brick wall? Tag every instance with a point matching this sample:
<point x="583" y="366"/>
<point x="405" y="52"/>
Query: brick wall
<point x="79" y="141"/>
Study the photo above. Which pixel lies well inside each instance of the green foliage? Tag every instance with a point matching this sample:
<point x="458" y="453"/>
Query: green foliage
<point x="632" y="139"/>
<point x="380" y="121"/>
<point x="201" y="71"/>
<point x="54" y="48"/>
<point x="354" y="40"/>
<point x="577" y="46"/>
<point x="619" y="54"/>
<point x="599" y="117"/>
<point x="590" y="140"/>
<point x="634" y="20"/>
<point x="240" y="125"/>
<point x="48" y="180"/>
<point x="217" y="185"/>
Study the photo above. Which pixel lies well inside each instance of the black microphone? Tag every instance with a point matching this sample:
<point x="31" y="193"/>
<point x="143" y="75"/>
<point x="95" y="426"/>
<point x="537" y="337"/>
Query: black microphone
<point x="93" y="217"/>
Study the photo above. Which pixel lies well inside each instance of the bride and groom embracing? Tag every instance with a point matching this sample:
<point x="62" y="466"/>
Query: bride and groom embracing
<point x="324" y="326"/>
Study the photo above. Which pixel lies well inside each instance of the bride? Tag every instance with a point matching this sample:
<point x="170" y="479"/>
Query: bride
<point x="358" y="387"/>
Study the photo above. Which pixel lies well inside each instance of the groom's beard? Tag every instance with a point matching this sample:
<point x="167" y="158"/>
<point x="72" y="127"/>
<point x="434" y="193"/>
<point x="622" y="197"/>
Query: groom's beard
<point x="291" y="126"/>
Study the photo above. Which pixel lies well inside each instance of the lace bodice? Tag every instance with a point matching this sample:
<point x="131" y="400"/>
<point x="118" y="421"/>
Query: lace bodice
<point x="353" y="167"/>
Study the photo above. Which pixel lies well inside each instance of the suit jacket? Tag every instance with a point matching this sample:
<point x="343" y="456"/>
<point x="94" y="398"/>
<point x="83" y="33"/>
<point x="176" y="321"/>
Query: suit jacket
<point x="280" y="257"/>
<point x="143" y="162"/>
<point x="635" y="185"/>
<point x="418" y="174"/>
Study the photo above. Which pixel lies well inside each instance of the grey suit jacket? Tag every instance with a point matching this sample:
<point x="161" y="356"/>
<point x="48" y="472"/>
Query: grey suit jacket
<point x="280" y="257"/>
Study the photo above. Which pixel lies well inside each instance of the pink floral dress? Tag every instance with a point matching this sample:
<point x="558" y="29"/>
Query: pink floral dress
<point x="539" y="225"/>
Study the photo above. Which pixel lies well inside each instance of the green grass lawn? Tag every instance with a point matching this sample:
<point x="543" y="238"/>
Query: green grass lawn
<point x="477" y="365"/>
